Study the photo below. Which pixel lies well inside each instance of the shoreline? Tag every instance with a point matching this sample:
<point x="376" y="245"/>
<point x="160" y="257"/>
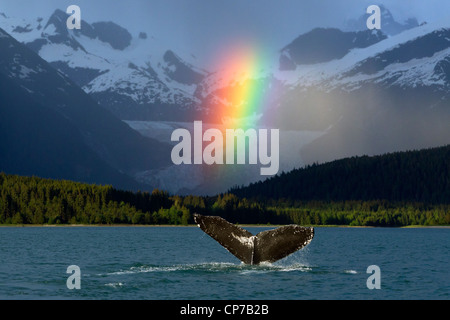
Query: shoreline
<point x="194" y="225"/>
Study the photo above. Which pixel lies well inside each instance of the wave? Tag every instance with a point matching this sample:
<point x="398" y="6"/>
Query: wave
<point x="114" y="284"/>
<point x="209" y="267"/>
<point x="350" y="271"/>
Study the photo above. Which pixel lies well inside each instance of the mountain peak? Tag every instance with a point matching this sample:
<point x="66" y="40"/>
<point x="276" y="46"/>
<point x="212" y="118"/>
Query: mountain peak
<point x="325" y="44"/>
<point x="179" y="70"/>
<point x="23" y="73"/>
<point x="385" y="13"/>
<point x="389" y="25"/>
<point x="109" y="32"/>
<point x="58" y="21"/>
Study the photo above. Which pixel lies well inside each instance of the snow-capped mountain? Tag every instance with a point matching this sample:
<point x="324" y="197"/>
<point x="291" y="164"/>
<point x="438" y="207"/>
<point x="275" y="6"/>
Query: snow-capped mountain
<point x="368" y="93"/>
<point x="323" y="45"/>
<point x="141" y="78"/>
<point x="52" y="128"/>
<point x="393" y="95"/>
<point x="348" y="92"/>
<point x="389" y="25"/>
<point x="414" y="57"/>
<point x="134" y="77"/>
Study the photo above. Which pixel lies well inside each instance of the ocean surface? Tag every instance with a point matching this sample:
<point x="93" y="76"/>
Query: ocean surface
<point x="178" y="263"/>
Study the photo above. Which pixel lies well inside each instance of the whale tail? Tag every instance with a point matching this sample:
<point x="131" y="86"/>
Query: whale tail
<point x="266" y="246"/>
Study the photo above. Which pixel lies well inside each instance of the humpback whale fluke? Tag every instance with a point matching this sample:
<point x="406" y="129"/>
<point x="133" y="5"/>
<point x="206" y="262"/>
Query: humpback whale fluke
<point x="266" y="246"/>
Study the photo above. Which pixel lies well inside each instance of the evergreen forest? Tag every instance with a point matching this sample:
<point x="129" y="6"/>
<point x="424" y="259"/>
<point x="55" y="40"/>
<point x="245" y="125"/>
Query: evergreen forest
<point x="398" y="189"/>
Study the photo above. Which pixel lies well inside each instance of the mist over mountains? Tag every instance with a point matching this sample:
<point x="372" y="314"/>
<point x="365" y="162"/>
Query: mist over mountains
<point x="339" y="93"/>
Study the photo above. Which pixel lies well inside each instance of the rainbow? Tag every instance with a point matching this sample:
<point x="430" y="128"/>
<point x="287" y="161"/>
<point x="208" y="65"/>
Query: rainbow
<point x="247" y="95"/>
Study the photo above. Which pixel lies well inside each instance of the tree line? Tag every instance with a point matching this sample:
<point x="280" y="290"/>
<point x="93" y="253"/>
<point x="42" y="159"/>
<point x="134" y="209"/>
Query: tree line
<point x="413" y="176"/>
<point x="33" y="200"/>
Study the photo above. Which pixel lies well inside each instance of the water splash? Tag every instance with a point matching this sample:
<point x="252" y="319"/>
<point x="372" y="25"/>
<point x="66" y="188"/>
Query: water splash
<point x="210" y="267"/>
<point x="114" y="284"/>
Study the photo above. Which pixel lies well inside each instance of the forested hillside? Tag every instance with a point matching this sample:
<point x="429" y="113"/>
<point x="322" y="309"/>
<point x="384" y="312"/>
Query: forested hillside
<point x="32" y="200"/>
<point x="400" y="189"/>
<point x="413" y="176"/>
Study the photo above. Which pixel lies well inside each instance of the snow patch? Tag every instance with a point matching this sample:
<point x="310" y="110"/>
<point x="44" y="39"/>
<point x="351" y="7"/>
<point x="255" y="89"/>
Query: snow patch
<point x="318" y="74"/>
<point x="25" y="72"/>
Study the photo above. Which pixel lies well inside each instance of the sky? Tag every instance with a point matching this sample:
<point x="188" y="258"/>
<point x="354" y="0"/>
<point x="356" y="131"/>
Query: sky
<point x="208" y="25"/>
